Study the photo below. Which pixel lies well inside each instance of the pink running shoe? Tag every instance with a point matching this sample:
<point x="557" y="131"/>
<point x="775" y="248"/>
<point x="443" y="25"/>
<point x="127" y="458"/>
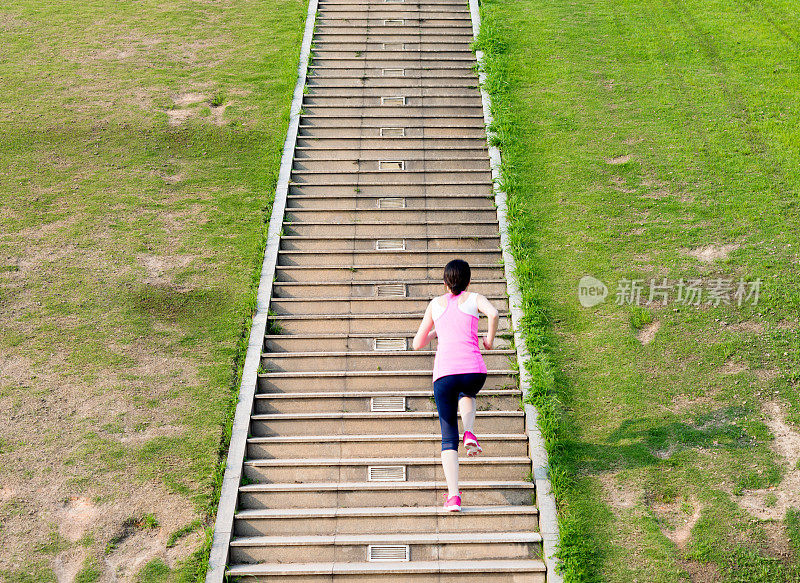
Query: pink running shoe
<point x="471" y="444"/>
<point x="453" y="503"/>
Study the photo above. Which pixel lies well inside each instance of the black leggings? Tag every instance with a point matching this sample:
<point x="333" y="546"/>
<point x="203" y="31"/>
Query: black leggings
<point x="447" y="391"/>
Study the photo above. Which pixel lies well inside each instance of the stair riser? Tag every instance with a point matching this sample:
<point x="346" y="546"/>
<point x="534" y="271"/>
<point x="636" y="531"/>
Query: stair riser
<point x="407" y="111"/>
<point x="393" y="189"/>
<point x="289" y="343"/>
<point x="398" y="448"/>
<point x="339" y="290"/>
<point x="358" y="552"/>
<point x="411" y="244"/>
<point x="466" y="125"/>
<point x="477" y="574"/>
<point x="384" y="257"/>
<point x="379" y="12"/>
<point x="389" y="152"/>
<point x="380" y="360"/>
<point x="393" y="230"/>
<point x="363" y="404"/>
<point x="413" y="102"/>
<point x="359" y="135"/>
<point x="465" y="83"/>
<point x="400" y="35"/>
<point x="268" y="384"/>
<point x="452" y="522"/>
<point x="321" y="325"/>
<point x="374" y="273"/>
<point x="362" y="92"/>
<point x="328" y="306"/>
<point x="450" y="166"/>
<point x="371" y="140"/>
<point x="492" y="424"/>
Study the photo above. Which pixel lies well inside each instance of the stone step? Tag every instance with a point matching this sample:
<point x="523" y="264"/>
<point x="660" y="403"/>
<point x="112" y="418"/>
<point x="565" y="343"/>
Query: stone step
<point x="487" y="571"/>
<point x="356" y="548"/>
<point x="386" y="273"/>
<point x="281" y="382"/>
<point x="390" y="185"/>
<point x="369" y="360"/>
<point x="441" y="81"/>
<point x="399" y="10"/>
<point x="319" y="164"/>
<point x="374" y="141"/>
<point x="289" y="242"/>
<point x="355" y="63"/>
<point x="389" y="250"/>
<point x="382" y="229"/>
<point x="382" y="445"/>
<point x="380" y="520"/>
<point x="373" y="20"/>
<point x="359" y="323"/>
<point x="419" y="45"/>
<point x="340" y="342"/>
<point x="345" y="306"/>
<point x="322" y="73"/>
<point x="342" y="423"/>
<point x="399" y="178"/>
<point x="368" y="92"/>
<point x="434" y="129"/>
<point x="365" y="494"/>
<point x="387" y="151"/>
<point x="366" y="401"/>
<point x="382" y="59"/>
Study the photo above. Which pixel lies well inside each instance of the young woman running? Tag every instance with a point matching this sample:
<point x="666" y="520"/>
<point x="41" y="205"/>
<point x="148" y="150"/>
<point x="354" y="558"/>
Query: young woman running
<point x="458" y="368"/>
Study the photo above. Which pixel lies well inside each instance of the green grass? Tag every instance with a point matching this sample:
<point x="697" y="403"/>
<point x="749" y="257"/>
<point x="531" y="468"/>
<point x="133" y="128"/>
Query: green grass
<point x="139" y="151"/>
<point x="634" y="135"/>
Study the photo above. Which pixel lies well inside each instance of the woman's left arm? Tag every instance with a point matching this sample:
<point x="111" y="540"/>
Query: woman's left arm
<point x="425" y="333"/>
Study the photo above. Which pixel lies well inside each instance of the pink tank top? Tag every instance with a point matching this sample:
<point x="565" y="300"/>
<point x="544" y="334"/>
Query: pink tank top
<point x="457" y="349"/>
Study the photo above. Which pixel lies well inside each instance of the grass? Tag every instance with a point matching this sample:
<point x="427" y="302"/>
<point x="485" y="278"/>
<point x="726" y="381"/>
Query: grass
<point x="640" y="141"/>
<point x="139" y="154"/>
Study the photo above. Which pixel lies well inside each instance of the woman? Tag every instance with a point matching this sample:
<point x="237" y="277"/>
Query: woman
<point x="458" y="368"/>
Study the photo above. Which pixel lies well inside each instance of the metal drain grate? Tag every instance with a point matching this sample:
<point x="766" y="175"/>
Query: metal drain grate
<point x="394" y="46"/>
<point x="388" y="553"/>
<point x="391" y="165"/>
<point x="390" y="245"/>
<point x="390" y="290"/>
<point x="391" y="203"/>
<point x="393" y="132"/>
<point x="386" y="404"/>
<point x="386" y="344"/>
<point x="394" y="22"/>
<point x="394" y="100"/>
<point x="386" y="473"/>
<point x="393" y="72"/>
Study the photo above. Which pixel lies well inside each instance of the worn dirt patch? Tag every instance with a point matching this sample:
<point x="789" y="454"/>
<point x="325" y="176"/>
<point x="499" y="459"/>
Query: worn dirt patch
<point x="711" y="253"/>
<point x="186" y="99"/>
<point x="67" y="564"/>
<point x="731" y="367"/>
<point x="677" y="525"/>
<point x="619" y="496"/>
<point x="772" y="503"/>
<point x="618" y="160"/>
<point x="747" y="326"/>
<point x="176" y="117"/>
<point x="646" y="334"/>
<point x="77" y="515"/>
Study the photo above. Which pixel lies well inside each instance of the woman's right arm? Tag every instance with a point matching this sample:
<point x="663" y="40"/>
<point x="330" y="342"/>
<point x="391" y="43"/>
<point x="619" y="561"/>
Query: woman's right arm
<point x="424" y="334"/>
<point x="486" y="308"/>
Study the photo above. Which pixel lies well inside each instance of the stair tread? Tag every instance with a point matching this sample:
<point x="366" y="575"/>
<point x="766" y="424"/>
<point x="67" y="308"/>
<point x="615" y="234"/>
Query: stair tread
<point x="381" y="511"/>
<point x="380" y="437"/>
<point x="467" y="566"/>
<point x="334" y="486"/>
<point x="364" y="373"/>
<point x="430" y="460"/>
<point x="363" y="394"/>
<point x="410" y="538"/>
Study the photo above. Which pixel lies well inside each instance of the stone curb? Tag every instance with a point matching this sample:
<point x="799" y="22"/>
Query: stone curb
<point x="223" y="527"/>
<point x="548" y="522"/>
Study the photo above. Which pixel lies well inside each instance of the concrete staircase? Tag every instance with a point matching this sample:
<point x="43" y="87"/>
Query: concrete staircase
<point x="342" y="478"/>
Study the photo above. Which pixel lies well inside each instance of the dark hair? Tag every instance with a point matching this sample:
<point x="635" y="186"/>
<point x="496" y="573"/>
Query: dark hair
<point x="456" y="275"/>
